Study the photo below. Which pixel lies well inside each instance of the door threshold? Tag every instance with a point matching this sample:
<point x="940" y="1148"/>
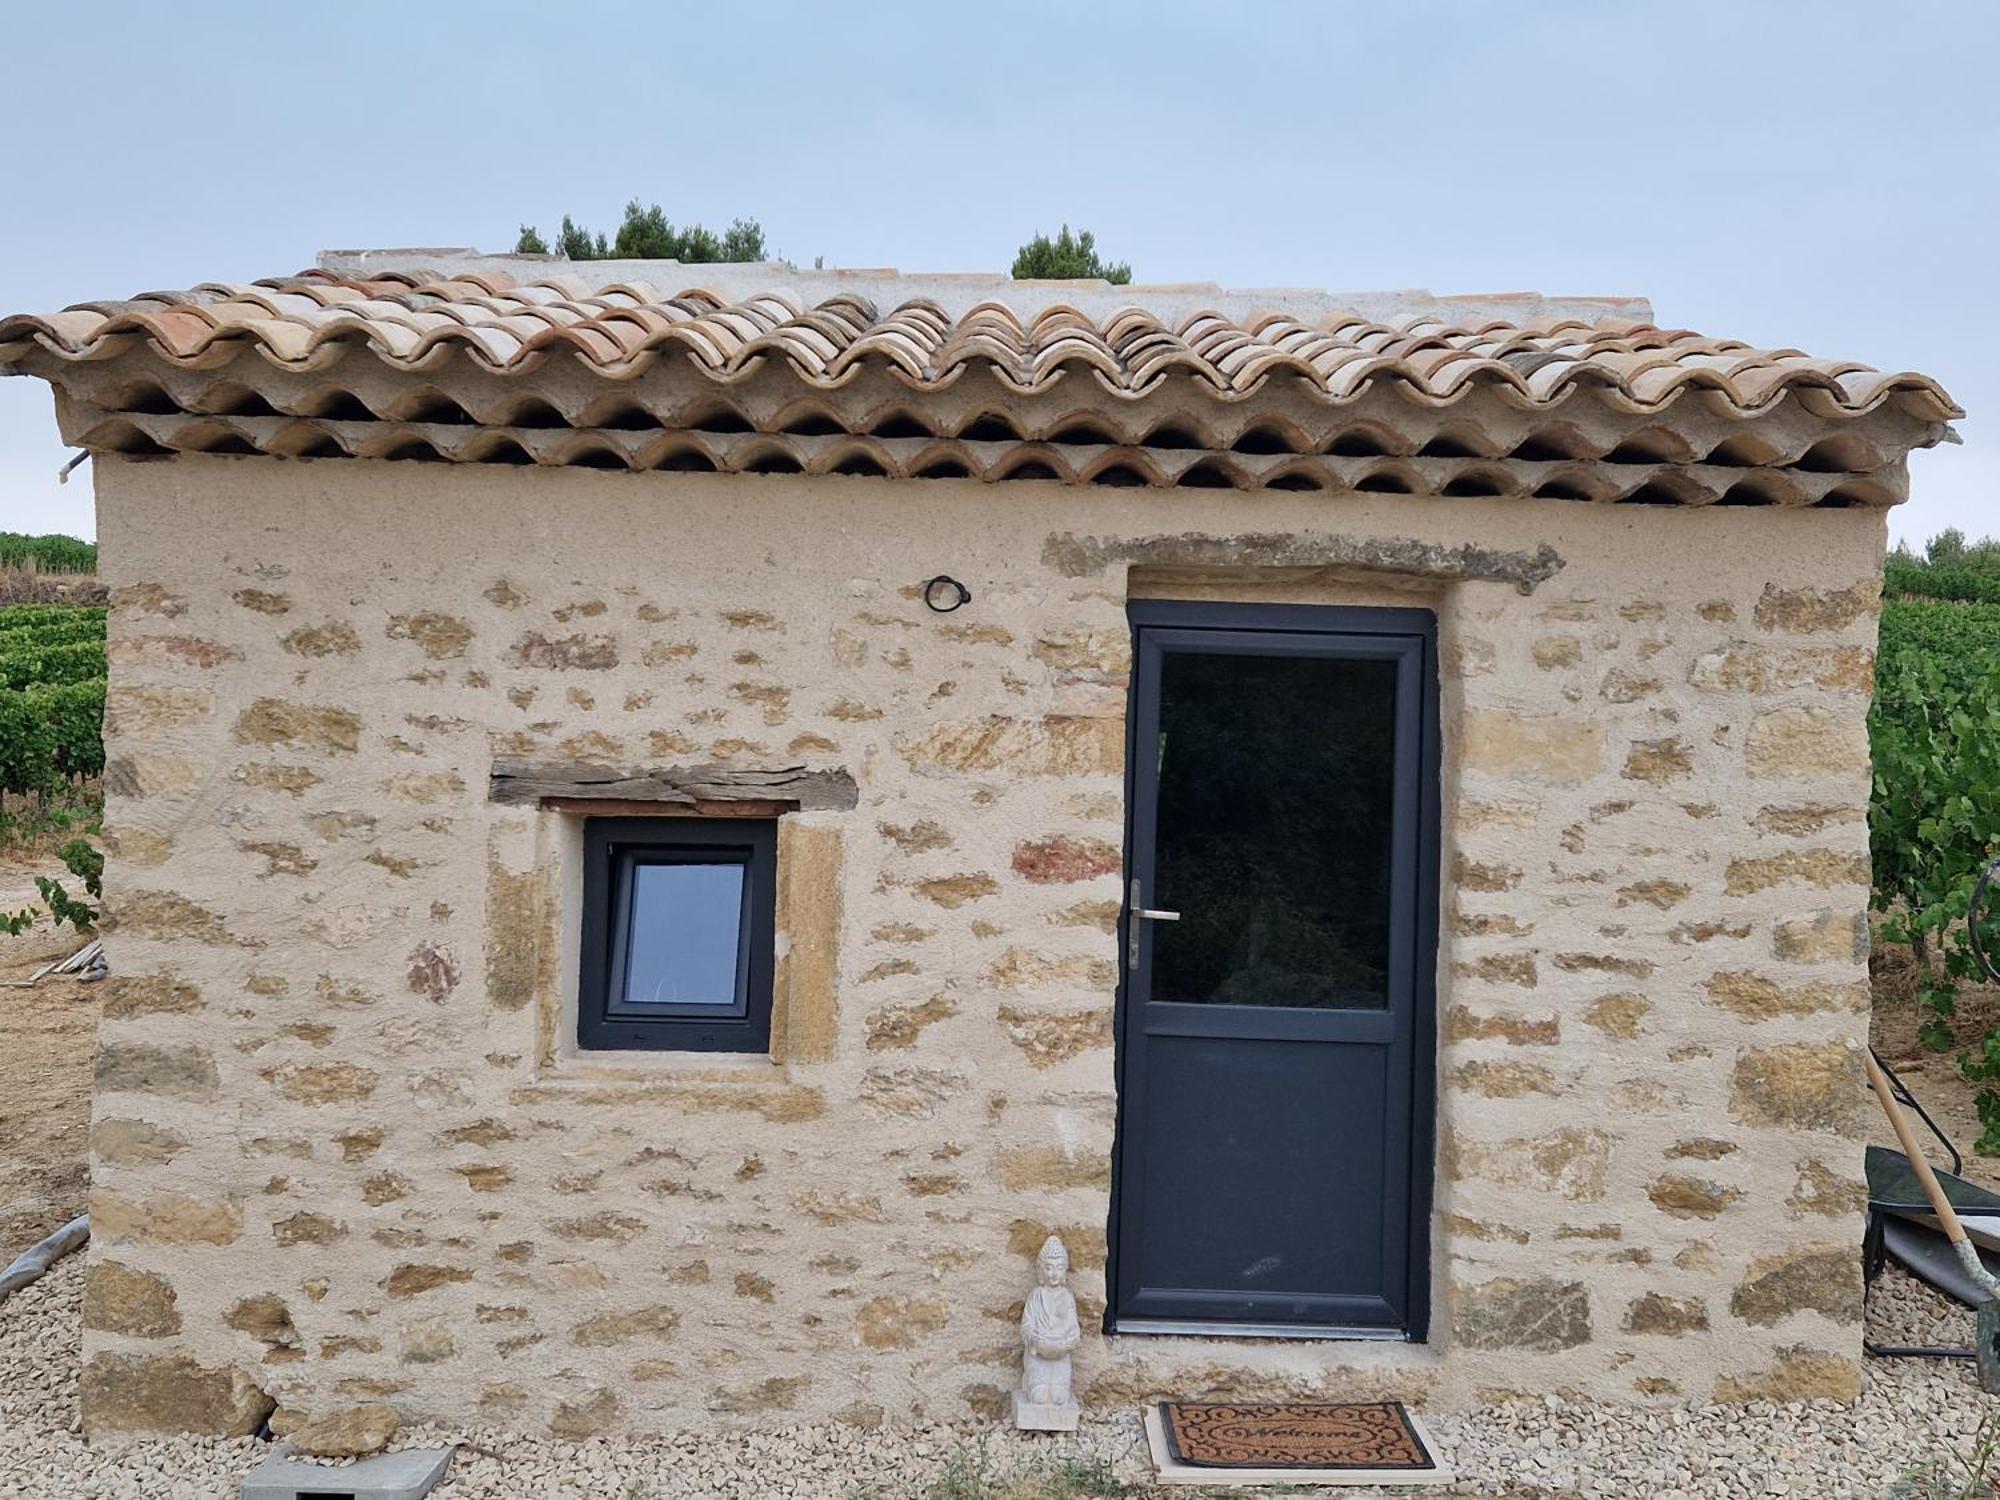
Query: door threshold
<point x="1190" y="1328"/>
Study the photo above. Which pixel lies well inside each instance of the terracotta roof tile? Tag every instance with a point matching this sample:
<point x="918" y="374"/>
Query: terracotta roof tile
<point x="619" y="330"/>
<point x="600" y="365"/>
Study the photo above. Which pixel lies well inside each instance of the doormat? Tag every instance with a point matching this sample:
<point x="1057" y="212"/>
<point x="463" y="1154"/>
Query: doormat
<point x="1366" y="1442"/>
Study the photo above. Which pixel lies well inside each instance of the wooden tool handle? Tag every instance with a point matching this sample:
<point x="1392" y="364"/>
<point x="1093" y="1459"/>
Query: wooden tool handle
<point x="1933" y="1190"/>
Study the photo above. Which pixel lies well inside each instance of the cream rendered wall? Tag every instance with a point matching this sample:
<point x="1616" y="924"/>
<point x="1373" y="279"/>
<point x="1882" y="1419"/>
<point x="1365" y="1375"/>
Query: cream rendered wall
<point x="342" y="1150"/>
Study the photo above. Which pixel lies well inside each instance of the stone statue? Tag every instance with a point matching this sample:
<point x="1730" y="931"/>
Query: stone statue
<point x="1049" y="1335"/>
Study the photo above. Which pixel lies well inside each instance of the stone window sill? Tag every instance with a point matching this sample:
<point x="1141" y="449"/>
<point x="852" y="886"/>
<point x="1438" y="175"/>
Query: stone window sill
<point x="595" y="1068"/>
<point x="670" y="1081"/>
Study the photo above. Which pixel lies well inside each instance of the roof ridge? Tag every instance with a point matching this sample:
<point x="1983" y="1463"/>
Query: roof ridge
<point x="957" y="292"/>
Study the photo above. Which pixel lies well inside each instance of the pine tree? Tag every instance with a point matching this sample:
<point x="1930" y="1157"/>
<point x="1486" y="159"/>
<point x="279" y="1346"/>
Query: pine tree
<point x="646" y="233"/>
<point x="1067" y="257"/>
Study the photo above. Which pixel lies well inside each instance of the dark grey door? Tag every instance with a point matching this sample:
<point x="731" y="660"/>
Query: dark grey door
<point x="1275" y="1024"/>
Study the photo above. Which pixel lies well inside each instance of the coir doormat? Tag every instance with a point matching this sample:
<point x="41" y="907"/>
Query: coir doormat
<point x="1376" y="1435"/>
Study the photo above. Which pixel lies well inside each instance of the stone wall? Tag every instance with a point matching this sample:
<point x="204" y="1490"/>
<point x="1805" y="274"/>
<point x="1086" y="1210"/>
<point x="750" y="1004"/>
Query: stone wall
<point x="344" y="1149"/>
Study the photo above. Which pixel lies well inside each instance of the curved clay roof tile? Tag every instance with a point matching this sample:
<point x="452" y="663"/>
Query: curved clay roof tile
<point x="621" y="336"/>
<point x="410" y="318"/>
<point x="810" y="351"/>
<point x="492" y="282"/>
<point x="1060" y="315"/>
<point x="538" y="295"/>
<point x="490" y="346"/>
<point x="1757" y="384"/>
<point x="734" y="327"/>
<point x="65" y="332"/>
<point x="828" y="333"/>
<point x="1422" y="359"/>
<point x="1083" y="351"/>
<point x="1262" y="365"/>
<point x="853" y="301"/>
<point x="1661" y="383"/>
<point x="648" y="320"/>
<point x="693" y="340"/>
<point x="461" y="289"/>
<point x="640" y="292"/>
<point x="181" y="332"/>
<point x="389" y="315"/>
<point x="1546" y="382"/>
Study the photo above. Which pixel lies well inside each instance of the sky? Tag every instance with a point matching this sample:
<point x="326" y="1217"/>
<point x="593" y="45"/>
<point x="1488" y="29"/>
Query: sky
<point x="1823" y="176"/>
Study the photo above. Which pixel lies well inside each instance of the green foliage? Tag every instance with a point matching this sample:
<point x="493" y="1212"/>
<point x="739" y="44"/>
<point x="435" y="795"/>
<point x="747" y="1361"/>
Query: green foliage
<point x="85" y="861"/>
<point x="1950" y="568"/>
<point x="49" y="625"/>
<point x="50" y="736"/>
<point x="1067" y="257"/>
<point x="1953" y="1473"/>
<point x="1962" y="636"/>
<point x="647" y="234"/>
<point x="1934" y="818"/>
<point x="52" y="747"/>
<point x="31" y="663"/>
<point x="47" y="554"/>
<point x="575" y="243"/>
<point x="47" y="645"/>
<point x="37" y="616"/>
<point x="1950" y="549"/>
<point x="973" y="1474"/>
<point x="1904" y="576"/>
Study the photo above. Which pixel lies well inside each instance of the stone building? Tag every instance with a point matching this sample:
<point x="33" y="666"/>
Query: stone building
<point x="634" y="902"/>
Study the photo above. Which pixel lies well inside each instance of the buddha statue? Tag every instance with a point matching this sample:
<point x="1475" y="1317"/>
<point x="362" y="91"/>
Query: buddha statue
<point x="1045" y="1401"/>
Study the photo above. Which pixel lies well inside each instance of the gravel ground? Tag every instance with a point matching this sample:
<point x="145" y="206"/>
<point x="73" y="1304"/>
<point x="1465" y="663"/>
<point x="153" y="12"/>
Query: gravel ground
<point x="1913" y="1411"/>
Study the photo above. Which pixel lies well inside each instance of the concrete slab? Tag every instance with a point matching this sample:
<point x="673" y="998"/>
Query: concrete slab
<point x="1171" y="1471"/>
<point x="408" y="1475"/>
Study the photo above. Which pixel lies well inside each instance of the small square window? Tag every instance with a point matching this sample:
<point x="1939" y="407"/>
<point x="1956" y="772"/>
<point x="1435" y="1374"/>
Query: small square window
<point x="677" y="934"/>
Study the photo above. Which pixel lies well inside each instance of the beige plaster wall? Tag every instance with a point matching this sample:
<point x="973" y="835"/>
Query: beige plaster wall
<point x="345" y="1150"/>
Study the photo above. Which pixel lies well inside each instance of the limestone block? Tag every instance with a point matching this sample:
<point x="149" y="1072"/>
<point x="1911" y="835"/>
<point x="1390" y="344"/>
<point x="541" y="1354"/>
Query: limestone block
<point x="1810" y="741"/>
<point x="1539" y="748"/>
<point x="169" y="1394"/>
<point x="1542" y="1315"/>
<point x="138" y="1304"/>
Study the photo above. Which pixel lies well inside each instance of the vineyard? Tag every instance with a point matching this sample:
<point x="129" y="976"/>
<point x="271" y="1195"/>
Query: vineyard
<point x="51" y="705"/>
<point x="1934" y="818"/>
<point x="53" y="739"/>
<point x="52" y="744"/>
<point x="46" y="554"/>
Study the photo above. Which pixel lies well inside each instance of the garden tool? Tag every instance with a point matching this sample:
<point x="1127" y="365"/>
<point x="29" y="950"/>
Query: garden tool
<point x="1986" y="1343"/>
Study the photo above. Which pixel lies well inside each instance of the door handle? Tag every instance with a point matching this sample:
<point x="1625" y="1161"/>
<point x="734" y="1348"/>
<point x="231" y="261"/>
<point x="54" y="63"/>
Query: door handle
<point x="1138" y="914"/>
<point x="1139" y="910"/>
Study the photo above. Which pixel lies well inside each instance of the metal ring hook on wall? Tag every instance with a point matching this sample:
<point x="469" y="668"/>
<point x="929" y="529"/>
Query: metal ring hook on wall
<point x="942" y="588"/>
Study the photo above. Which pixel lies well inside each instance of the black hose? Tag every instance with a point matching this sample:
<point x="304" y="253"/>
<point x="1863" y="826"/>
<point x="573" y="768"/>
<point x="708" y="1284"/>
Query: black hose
<point x="1972" y="920"/>
<point x="1913" y="1351"/>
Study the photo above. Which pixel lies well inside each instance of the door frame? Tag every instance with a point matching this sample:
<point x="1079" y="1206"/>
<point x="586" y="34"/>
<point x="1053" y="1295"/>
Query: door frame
<point x="1307" y="619"/>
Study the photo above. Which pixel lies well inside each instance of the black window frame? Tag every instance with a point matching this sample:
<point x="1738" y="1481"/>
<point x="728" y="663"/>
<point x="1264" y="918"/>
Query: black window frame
<point x="612" y="848"/>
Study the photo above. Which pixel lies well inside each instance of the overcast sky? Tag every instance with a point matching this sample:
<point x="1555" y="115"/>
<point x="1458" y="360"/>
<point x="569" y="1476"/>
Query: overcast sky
<point x="1820" y="175"/>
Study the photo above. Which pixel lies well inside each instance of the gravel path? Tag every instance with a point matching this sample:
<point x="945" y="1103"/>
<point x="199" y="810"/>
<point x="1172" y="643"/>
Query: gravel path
<point x="1914" y="1410"/>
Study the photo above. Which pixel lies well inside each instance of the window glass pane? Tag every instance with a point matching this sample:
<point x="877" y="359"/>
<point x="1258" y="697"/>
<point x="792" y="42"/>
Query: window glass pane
<point x="1276" y="800"/>
<point x="685" y="933"/>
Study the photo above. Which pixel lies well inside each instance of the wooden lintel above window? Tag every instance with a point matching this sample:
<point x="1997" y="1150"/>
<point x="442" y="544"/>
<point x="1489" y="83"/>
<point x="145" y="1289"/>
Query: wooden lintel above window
<point x="620" y="807"/>
<point x="714" y="790"/>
